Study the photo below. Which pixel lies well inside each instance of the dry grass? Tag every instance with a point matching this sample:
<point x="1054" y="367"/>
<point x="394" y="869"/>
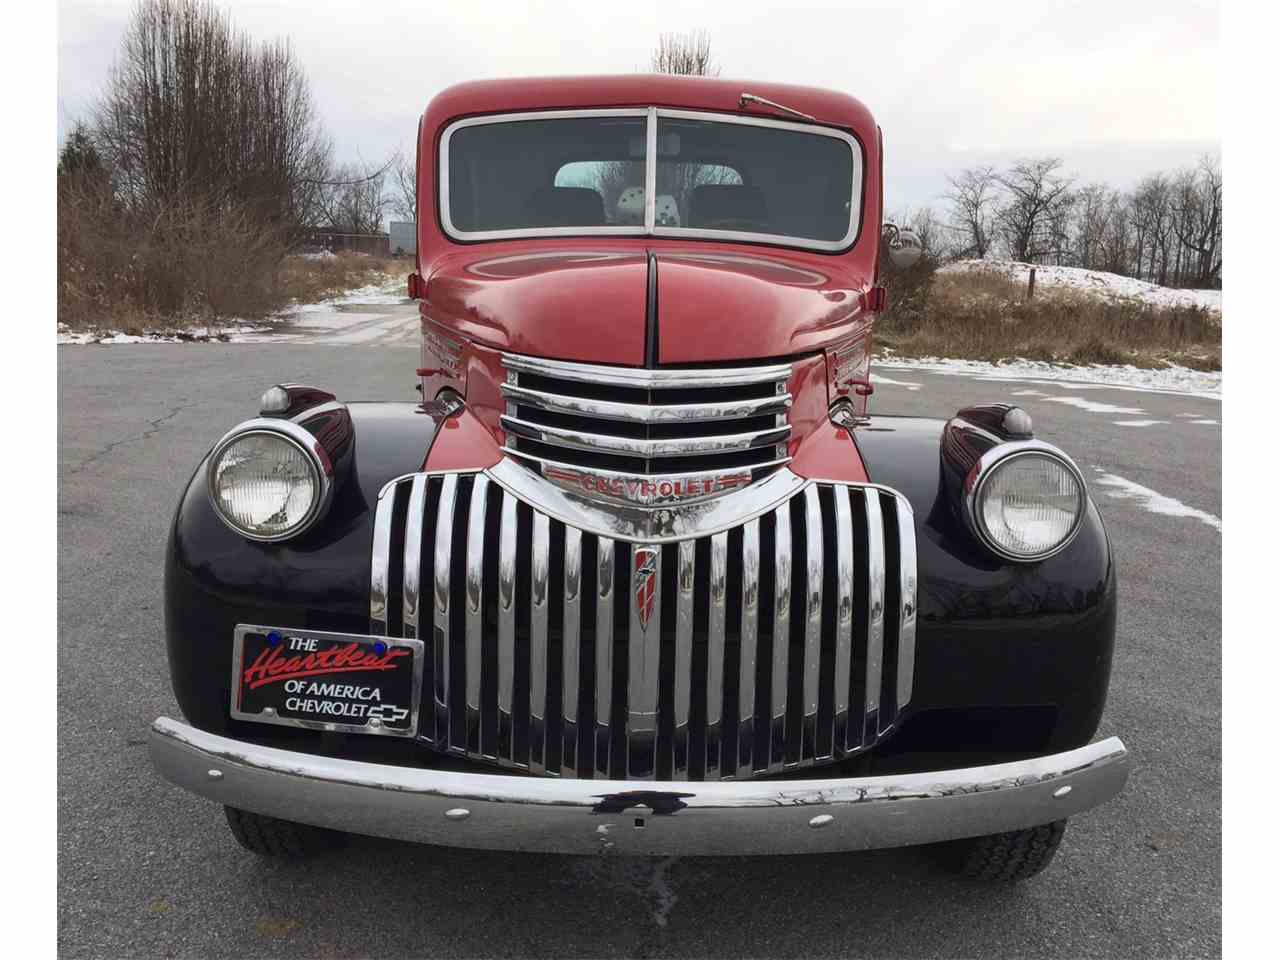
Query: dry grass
<point x="173" y="267"/>
<point x="308" y="280"/>
<point x="981" y="316"/>
<point x="186" y="265"/>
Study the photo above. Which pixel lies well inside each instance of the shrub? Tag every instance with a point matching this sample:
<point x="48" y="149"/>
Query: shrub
<point x="180" y="263"/>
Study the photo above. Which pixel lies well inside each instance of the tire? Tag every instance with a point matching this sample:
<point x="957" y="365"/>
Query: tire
<point x="270" y="837"/>
<point x="1006" y="857"/>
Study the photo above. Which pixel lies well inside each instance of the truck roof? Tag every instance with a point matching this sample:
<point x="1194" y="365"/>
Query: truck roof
<point x="644" y="90"/>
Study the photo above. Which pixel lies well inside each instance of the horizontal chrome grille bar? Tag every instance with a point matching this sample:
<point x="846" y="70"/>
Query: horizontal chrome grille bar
<point x="640" y="447"/>
<point x="630" y="423"/>
<point x="647" y="413"/>
<point x="647" y="379"/>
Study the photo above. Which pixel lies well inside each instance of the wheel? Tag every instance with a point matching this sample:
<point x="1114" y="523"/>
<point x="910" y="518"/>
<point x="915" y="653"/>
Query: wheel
<point x="270" y="837"/>
<point x="1006" y="857"/>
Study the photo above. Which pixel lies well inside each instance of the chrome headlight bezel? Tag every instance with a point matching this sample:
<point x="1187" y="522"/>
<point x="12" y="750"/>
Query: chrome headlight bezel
<point x="300" y="438"/>
<point x="988" y="466"/>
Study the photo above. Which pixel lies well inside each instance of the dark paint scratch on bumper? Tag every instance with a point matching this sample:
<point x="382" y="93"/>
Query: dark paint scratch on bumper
<point x="551" y="815"/>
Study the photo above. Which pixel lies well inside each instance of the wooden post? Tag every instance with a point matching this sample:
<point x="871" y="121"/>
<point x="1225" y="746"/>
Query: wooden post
<point x="1031" y="284"/>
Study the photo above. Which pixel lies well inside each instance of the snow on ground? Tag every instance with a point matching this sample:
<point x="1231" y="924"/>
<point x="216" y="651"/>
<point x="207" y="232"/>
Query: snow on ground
<point x="1110" y="285"/>
<point x="388" y="290"/>
<point x="231" y="332"/>
<point x="1150" y="500"/>
<point x="1170" y="379"/>
<point x="1093" y="406"/>
<point x="322" y="315"/>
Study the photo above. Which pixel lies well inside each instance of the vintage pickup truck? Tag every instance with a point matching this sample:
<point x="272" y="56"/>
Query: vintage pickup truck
<point x="639" y="572"/>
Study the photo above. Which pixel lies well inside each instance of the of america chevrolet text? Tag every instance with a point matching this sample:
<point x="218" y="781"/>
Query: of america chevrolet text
<point x="640" y="572"/>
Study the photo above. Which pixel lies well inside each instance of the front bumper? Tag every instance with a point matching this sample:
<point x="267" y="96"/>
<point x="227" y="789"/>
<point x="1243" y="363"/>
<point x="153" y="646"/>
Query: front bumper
<point x="637" y="817"/>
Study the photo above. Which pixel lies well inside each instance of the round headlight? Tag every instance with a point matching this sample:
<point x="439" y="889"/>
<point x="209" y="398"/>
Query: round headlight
<point x="267" y="484"/>
<point x="1028" y="504"/>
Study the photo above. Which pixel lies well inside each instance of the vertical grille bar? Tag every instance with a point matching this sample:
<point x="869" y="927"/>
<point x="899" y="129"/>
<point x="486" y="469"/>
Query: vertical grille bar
<point x="813" y="618"/>
<point x="788" y="670"/>
<point x="875" y="608"/>
<point x="506" y="623"/>
<point x="572" y="637"/>
<point x="715" y="650"/>
<point x="475" y="606"/>
<point x="684" y="656"/>
<point x="844" y="618"/>
<point x="413" y="553"/>
<point x="604" y="652"/>
<point x="907" y="593"/>
<point x="644" y="645"/>
<point x="747" y="645"/>
<point x="380" y="562"/>
<point x="442" y="565"/>
<point x="539" y="571"/>
<point x="781" y="634"/>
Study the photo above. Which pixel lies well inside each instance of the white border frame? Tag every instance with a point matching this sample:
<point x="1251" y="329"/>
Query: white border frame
<point x="650" y="228"/>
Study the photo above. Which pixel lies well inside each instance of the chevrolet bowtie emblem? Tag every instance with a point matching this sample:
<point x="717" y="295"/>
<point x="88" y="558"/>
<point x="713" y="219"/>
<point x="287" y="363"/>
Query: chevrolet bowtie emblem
<point x="644" y="583"/>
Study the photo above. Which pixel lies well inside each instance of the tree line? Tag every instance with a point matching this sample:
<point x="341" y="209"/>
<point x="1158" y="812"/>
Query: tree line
<point x="1167" y="229"/>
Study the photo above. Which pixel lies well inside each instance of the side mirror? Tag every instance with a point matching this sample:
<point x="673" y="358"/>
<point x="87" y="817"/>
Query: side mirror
<point x="905" y="247"/>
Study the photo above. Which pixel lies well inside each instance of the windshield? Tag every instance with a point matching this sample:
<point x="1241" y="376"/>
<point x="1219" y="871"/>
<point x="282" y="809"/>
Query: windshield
<point x="650" y="172"/>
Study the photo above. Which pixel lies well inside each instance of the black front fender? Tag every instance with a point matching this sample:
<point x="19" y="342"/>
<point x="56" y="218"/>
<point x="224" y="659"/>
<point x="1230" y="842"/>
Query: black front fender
<point x="215" y="578"/>
<point x="1000" y="645"/>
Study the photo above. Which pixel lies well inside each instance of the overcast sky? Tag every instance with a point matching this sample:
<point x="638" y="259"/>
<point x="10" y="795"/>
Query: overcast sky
<point x="1118" y="89"/>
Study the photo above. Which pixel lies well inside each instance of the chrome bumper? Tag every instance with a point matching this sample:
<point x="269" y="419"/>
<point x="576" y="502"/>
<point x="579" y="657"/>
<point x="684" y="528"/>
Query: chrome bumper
<point x="641" y="817"/>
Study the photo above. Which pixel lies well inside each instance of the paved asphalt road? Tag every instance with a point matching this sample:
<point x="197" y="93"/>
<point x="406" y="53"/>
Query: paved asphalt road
<point x="146" y="870"/>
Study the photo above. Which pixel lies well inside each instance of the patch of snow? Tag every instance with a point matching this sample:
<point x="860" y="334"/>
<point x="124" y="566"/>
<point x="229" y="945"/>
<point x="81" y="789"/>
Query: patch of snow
<point x="1137" y="423"/>
<point x="1109" y="285"/>
<point x="391" y="290"/>
<point x="229" y="333"/>
<point x="1205" y="422"/>
<point x="1170" y="379"/>
<point x="1153" y="502"/>
<point x="1092" y="405"/>
<point x="876" y="378"/>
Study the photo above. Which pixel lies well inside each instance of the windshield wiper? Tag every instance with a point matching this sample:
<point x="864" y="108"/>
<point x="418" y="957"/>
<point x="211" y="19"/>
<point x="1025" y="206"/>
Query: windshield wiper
<point x="747" y="98"/>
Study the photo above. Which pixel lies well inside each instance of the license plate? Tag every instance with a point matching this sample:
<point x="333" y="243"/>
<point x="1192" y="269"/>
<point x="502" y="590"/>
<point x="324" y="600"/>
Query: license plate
<point x="326" y="681"/>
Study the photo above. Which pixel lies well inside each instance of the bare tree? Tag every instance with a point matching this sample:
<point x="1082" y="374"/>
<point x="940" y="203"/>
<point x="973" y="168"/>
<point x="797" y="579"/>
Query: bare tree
<point x="1117" y="238"/>
<point x="1091" y="209"/>
<point x="1035" y="191"/>
<point x="403" y="201"/>
<point x="196" y="111"/>
<point x="929" y="229"/>
<point x="356" y="199"/>
<point x="686" y="54"/>
<point x="973" y="197"/>
<point x="1197" y="221"/>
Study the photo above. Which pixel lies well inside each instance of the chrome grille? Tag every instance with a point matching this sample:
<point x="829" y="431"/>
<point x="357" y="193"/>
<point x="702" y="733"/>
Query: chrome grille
<point x="631" y="424"/>
<point x="784" y="641"/>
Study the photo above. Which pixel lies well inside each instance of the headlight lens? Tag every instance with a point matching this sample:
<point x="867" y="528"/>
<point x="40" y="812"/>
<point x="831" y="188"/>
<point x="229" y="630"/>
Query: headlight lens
<point x="265" y="485"/>
<point x="1028" y="505"/>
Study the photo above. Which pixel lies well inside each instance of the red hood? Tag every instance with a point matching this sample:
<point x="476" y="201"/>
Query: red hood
<point x="591" y="306"/>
